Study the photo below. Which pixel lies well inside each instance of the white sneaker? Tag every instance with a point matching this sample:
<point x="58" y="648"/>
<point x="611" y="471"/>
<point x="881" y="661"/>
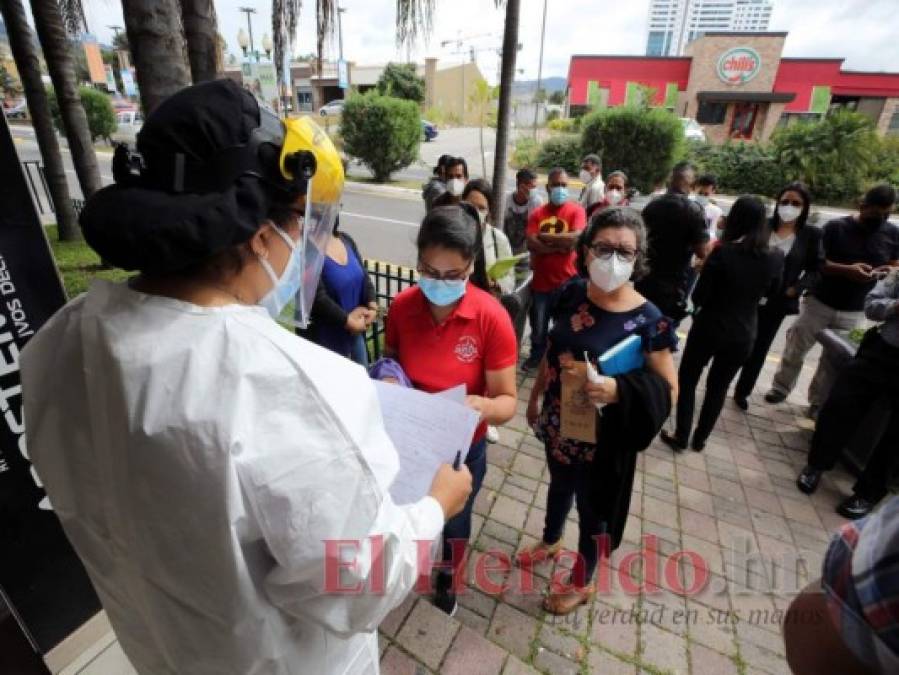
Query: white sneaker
<point x="492" y="434"/>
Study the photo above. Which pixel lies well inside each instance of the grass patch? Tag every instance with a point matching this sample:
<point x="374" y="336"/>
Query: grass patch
<point x="79" y="265"/>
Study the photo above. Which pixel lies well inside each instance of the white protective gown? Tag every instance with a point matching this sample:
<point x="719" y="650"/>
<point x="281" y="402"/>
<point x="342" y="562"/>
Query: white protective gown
<point x="198" y="459"/>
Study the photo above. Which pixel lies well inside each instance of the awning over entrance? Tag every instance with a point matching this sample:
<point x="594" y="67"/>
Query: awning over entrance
<point x="746" y="96"/>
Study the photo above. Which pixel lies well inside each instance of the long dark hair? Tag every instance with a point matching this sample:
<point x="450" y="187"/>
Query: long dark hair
<point x="802" y="190"/>
<point x="456" y="228"/>
<point x="483" y="186"/>
<point x="747" y="221"/>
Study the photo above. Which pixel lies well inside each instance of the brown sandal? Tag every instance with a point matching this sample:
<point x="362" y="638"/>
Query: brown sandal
<point x="561" y="604"/>
<point x="538" y="553"/>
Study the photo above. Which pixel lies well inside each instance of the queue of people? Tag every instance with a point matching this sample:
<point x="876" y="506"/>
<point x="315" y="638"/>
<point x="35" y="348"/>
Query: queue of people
<point x="232" y="450"/>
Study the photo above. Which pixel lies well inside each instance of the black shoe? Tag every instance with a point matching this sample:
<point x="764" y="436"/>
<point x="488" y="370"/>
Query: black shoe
<point x="775" y="396"/>
<point x="698" y="443"/>
<point x="444" y="595"/>
<point x="808" y="480"/>
<point x="530" y="364"/>
<point x="812" y="412"/>
<point x="741" y="402"/>
<point x="854" y="507"/>
<point x="673" y="441"/>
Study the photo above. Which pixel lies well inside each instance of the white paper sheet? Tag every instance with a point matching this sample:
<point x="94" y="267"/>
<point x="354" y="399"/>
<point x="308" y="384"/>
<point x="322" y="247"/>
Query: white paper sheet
<point x="457" y="394"/>
<point x="427" y="430"/>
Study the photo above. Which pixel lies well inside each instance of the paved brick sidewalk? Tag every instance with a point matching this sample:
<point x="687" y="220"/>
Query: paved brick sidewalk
<point x="735" y="505"/>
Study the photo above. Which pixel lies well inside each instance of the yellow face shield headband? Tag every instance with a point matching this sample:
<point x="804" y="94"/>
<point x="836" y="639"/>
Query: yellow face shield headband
<point x="307" y="151"/>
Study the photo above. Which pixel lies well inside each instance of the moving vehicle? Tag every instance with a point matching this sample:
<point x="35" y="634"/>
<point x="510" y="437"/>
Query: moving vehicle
<point x="428" y="130"/>
<point x="333" y="108"/>
<point x="693" y="131"/>
<point x="19" y="111"/>
<point x="128" y="123"/>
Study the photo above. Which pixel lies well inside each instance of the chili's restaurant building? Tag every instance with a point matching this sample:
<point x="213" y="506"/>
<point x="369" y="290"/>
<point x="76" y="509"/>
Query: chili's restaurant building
<point x="736" y="85"/>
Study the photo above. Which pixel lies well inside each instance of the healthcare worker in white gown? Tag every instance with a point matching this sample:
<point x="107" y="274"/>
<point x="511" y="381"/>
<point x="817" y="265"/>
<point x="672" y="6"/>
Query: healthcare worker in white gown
<point x="198" y="454"/>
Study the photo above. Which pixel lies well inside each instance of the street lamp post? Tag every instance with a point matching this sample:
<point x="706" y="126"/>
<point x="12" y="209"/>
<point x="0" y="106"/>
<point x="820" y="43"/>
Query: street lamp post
<point x="539" y="72"/>
<point x="340" y="11"/>
<point x="248" y="11"/>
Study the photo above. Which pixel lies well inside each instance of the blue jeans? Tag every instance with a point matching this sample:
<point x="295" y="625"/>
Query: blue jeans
<point x="359" y="351"/>
<point x="459" y="526"/>
<point x="542" y="306"/>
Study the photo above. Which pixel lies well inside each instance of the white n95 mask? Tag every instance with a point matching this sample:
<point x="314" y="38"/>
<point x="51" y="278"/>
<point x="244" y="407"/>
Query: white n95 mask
<point x="455" y="186"/>
<point x="610" y="274"/>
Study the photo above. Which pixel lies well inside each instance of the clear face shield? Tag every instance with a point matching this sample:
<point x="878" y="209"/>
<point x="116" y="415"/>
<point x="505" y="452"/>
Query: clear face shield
<point x="323" y="193"/>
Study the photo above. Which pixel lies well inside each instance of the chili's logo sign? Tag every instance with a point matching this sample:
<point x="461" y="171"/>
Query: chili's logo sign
<point x="739" y="65"/>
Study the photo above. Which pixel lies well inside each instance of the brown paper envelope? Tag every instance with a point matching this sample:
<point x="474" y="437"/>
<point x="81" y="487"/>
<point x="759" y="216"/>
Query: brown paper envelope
<point x="578" y="414"/>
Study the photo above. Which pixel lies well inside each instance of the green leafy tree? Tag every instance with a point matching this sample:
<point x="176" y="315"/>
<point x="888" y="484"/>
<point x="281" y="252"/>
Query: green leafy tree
<point x="834" y="156"/>
<point x="382" y="132"/>
<point x="644" y="143"/>
<point x="401" y="81"/>
<point x="741" y="168"/>
<point x="482" y="101"/>
<point x="557" y="97"/>
<point x="97" y="107"/>
<point x="563" y="150"/>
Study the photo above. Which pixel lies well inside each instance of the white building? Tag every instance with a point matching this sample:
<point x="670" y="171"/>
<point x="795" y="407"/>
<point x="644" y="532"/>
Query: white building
<point x="675" y="23"/>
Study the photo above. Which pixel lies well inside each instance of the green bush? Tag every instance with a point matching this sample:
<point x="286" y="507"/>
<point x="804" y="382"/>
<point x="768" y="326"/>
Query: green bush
<point x="525" y="153"/>
<point x="564" y="151"/>
<point x="835" y="156"/>
<point x="382" y="132"/>
<point x="569" y="125"/>
<point x="741" y="168"/>
<point x="97" y="107"/>
<point x="886" y="163"/>
<point x="643" y="142"/>
<point x="401" y="80"/>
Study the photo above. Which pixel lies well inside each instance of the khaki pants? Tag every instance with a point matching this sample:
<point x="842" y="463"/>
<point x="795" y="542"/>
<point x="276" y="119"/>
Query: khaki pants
<point x="814" y="316"/>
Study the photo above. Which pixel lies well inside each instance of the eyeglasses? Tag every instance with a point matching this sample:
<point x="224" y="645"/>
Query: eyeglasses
<point x="791" y="202"/>
<point x="605" y="251"/>
<point x="449" y="275"/>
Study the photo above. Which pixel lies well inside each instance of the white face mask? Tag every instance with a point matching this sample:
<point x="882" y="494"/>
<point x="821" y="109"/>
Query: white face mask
<point x="611" y="274"/>
<point x="788" y="213"/>
<point x="586" y="176"/>
<point x="702" y="200"/>
<point x="455" y="186"/>
<point x="614" y="196"/>
<point x="285" y="287"/>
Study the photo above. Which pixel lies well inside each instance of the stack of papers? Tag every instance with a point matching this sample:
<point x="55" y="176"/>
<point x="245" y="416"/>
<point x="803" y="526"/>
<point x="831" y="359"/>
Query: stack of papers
<point x="428" y="430"/>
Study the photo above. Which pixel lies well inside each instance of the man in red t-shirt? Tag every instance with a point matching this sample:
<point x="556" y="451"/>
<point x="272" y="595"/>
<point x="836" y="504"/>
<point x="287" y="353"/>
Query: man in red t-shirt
<point x="552" y="234"/>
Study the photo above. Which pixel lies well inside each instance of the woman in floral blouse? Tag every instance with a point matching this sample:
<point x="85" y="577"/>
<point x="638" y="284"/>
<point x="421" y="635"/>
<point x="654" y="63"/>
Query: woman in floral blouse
<point x="594" y="313"/>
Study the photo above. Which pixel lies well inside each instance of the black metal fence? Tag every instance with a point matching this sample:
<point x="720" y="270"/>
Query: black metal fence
<point x="388" y="281"/>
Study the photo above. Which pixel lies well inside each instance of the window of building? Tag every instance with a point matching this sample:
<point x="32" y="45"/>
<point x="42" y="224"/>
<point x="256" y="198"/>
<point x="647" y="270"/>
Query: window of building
<point x="894" y="124"/>
<point x="711" y="112"/>
<point x="788" y="118"/>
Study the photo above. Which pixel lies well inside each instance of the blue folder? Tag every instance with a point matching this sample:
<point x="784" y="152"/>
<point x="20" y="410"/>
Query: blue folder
<point x="624" y="357"/>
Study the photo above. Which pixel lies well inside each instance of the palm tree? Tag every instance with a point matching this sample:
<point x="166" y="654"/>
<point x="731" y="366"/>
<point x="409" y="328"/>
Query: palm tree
<point x="507" y="79"/>
<point x="285" y="14"/>
<point x="51" y="30"/>
<point x="202" y="38"/>
<point x="157" y="48"/>
<point x="23" y="47"/>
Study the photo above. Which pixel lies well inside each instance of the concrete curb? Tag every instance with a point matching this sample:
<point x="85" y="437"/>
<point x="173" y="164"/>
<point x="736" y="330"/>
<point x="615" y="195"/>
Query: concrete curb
<point x="371" y="188"/>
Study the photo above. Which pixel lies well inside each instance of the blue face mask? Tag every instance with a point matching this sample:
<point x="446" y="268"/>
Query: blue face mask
<point x="558" y="195"/>
<point x="442" y="292"/>
<point x="283" y="289"/>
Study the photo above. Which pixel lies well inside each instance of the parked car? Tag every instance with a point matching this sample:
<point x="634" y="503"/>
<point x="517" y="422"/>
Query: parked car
<point x="693" y="131"/>
<point x="428" y="130"/>
<point x="128" y="123"/>
<point x="19" y="111"/>
<point x="333" y="108"/>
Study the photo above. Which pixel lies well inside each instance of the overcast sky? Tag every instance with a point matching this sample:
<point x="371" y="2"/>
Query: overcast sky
<point x="865" y="32"/>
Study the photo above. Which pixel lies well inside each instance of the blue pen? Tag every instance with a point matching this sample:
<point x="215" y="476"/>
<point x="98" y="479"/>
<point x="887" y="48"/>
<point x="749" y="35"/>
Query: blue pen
<point x="458" y="460"/>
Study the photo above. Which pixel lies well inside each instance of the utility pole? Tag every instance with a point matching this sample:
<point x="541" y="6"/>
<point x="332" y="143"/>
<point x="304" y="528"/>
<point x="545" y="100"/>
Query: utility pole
<point x="539" y="72"/>
<point x="340" y="11"/>
<point x="250" y="10"/>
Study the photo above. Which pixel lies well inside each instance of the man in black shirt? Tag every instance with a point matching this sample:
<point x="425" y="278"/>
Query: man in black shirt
<point x="857" y="250"/>
<point x="676" y="230"/>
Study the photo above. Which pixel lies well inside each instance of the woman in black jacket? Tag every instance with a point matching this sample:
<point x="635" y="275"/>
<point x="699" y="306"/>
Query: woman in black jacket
<point x="734" y="278"/>
<point x="345" y="304"/>
<point x="801" y="244"/>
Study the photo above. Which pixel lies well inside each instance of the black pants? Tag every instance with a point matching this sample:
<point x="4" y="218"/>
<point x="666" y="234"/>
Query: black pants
<point x="770" y="319"/>
<point x="570" y="483"/>
<point x="872" y="374"/>
<point x="726" y="361"/>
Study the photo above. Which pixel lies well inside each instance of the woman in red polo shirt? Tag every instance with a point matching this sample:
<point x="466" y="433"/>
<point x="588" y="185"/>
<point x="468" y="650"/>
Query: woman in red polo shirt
<point x="444" y="332"/>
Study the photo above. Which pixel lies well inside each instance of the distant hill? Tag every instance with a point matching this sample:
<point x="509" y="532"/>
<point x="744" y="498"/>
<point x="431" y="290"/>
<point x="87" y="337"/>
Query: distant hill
<point x="550" y="84"/>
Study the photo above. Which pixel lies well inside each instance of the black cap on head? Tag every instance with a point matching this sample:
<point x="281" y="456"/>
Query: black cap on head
<point x="207" y="182"/>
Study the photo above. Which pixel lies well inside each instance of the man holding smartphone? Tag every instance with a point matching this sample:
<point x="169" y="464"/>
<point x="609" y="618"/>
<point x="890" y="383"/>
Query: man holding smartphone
<point x="858" y="249"/>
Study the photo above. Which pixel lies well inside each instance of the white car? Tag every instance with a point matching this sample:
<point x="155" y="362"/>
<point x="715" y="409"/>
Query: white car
<point x="128" y="123"/>
<point x="692" y="130"/>
<point x="332" y="108"/>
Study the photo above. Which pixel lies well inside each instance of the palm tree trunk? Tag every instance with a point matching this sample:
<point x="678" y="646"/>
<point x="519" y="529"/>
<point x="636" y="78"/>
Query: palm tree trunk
<point x="201" y="34"/>
<point x="507" y="78"/>
<point x="55" y="44"/>
<point x="22" y="45"/>
<point x="157" y="47"/>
